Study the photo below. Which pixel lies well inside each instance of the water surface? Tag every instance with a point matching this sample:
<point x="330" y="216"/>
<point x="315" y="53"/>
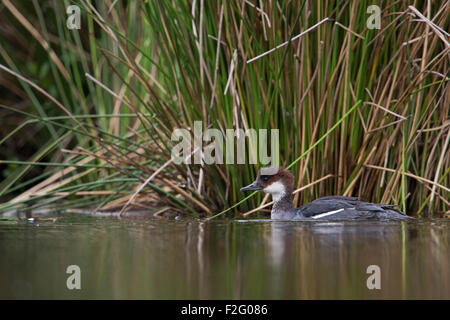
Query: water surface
<point x="223" y="259"/>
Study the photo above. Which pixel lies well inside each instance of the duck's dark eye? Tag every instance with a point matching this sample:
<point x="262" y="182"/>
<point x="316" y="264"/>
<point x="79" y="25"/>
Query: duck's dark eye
<point x="265" y="178"/>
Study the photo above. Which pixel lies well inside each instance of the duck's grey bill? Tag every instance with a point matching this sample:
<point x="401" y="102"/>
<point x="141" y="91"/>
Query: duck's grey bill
<point x="253" y="186"/>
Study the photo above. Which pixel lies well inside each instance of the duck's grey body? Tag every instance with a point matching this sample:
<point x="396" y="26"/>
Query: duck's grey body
<point x="335" y="208"/>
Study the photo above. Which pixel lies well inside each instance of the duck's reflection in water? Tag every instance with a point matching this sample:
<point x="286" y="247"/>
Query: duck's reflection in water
<point x="331" y="259"/>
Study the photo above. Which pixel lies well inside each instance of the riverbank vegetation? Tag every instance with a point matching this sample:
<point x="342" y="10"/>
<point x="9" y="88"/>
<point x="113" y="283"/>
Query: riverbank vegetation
<point x="87" y="114"/>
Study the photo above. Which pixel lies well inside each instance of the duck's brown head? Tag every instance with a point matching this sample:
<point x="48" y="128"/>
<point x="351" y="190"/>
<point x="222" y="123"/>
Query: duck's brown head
<point x="274" y="180"/>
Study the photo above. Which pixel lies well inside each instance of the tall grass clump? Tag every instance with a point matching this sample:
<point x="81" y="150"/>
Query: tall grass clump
<point x="97" y="106"/>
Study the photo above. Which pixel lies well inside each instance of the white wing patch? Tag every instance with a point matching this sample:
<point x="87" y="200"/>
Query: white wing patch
<point x="276" y="189"/>
<point x="329" y="213"/>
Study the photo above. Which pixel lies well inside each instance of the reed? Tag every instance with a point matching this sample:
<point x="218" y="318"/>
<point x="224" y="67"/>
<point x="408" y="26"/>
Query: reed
<point x="102" y="102"/>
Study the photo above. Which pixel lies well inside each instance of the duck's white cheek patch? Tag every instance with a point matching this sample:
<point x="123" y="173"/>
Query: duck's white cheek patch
<point x="276" y="189"/>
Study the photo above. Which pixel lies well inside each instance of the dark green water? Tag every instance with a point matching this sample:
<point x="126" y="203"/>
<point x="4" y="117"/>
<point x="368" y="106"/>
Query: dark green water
<point x="168" y="259"/>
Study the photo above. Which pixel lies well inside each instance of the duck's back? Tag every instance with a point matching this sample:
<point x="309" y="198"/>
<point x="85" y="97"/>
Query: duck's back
<point x="346" y="208"/>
